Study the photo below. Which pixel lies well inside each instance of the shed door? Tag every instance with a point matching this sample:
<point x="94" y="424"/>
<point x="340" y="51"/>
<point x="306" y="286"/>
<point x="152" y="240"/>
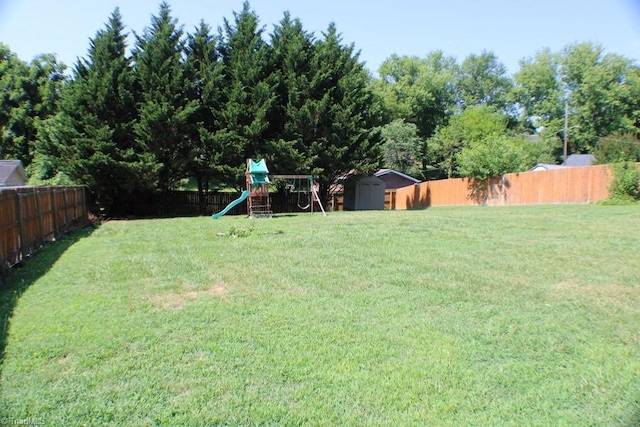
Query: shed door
<point x="369" y="196"/>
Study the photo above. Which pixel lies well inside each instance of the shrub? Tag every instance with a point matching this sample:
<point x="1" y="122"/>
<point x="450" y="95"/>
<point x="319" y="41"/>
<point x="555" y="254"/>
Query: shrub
<point x="625" y="185"/>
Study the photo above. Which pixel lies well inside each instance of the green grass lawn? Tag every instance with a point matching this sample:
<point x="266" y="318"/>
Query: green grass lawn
<point x="448" y="316"/>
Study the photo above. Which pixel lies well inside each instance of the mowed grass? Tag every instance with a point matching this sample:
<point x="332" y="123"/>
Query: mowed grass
<point x="447" y="316"/>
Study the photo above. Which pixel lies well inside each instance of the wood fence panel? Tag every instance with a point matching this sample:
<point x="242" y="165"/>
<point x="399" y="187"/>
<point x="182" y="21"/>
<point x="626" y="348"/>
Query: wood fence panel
<point x="570" y="185"/>
<point x="9" y="230"/>
<point x="29" y="222"/>
<point x="59" y="204"/>
<point x="48" y="214"/>
<point x="32" y="216"/>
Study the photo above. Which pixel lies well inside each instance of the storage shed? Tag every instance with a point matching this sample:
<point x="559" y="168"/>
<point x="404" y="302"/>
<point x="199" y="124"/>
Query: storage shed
<point x="12" y="173"/>
<point x="363" y="193"/>
<point x="394" y="179"/>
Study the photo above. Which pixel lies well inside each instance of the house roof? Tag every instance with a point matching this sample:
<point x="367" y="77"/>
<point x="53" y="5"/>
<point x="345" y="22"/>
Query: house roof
<point x="8" y="168"/>
<point x="579" y="160"/>
<point x="573" y="161"/>
<point x="383" y="172"/>
<point x="547" y="166"/>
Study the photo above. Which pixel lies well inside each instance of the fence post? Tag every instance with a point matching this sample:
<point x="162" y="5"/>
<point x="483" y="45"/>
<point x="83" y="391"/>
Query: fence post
<point x="84" y="204"/>
<point x="54" y="208"/>
<point x="40" y="216"/>
<point x="66" y="208"/>
<point x="20" y="214"/>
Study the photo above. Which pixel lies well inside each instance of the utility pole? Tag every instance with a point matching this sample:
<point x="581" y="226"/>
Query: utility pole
<point x="565" y="140"/>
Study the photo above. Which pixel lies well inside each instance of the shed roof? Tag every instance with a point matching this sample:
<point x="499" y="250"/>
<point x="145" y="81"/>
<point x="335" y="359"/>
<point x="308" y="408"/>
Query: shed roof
<point x="579" y="160"/>
<point x="383" y="172"/>
<point x="9" y="168"/>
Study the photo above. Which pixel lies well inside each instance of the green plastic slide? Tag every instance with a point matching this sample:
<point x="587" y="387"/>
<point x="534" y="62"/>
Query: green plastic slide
<point x="231" y="205"/>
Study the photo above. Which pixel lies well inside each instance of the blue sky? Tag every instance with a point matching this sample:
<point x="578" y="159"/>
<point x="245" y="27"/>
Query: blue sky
<point x="512" y="29"/>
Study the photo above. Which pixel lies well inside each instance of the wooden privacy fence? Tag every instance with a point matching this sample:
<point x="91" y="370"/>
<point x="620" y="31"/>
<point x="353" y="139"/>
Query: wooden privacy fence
<point x="32" y="216"/>
<point x="570" y="185"/>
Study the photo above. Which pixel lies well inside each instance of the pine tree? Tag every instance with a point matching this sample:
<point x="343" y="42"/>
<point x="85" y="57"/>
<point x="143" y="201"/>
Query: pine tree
<point x="91" y="140"/>
<point x="342" y="124"/>
<point x="165" y="118"/>
<point x="204" y="71"/>
<point x="249" y="95"/>
<point x="292" y="50"/>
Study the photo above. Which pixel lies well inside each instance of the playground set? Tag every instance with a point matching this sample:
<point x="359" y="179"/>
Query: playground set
<point x="257" y="191"/>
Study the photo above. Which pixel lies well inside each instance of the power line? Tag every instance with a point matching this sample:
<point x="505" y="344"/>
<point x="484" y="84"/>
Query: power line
<point x="619" y="140"/>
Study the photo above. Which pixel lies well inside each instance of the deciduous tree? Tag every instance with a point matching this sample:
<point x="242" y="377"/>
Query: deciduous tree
<point x="402" y="147"/>
<point x="497" y="155"/>
<point x="483" y="80"/>
<point x="28" y="96"/>
<point x="474" y="124"/>
<point x="418" y="90"/>
<point x="599" y="91"/>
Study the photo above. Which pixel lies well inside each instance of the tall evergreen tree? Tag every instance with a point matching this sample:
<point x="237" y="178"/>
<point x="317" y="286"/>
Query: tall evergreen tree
<point x="166" y="112"/>
<point x="292" y="55"/>
<point x="249" y="95"/>
<point x="91" y="139"/>
<point x="342" y="128"/>
<point x="204" y="72"/>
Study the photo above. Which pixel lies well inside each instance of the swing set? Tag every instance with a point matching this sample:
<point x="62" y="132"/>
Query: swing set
<point x="303" y="199"/>
<point x="258" y="179"/>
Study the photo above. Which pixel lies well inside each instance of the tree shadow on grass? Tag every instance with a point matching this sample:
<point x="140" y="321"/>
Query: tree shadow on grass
<point x="22" y="278"/>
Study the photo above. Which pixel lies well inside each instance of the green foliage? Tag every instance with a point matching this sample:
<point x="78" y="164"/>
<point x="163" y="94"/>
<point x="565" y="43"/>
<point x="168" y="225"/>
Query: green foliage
<point x="483" y="80"/>
<point x="248" y="91"/>
<point x="619" y="147"/>
<point x="625" y="184"/>
<point x="495" y="156"/>
<point x="538" y="90"/>
<point x="418" y="90"/>
<point x="28" y="96"/>
<point x="473" y="125"/>
<point x="204" y="72"/>
<point x="90" y="141"/>
<point x="343" y="134"/>
<point x="602" y="91"/>
<point x="165" y="115"/>
<point x="602" y="88"/>
<point x="197" y="105"/>
<point x="402" y="147"/>
<point x="292" y="53"/>
<point x="238" y="231"/>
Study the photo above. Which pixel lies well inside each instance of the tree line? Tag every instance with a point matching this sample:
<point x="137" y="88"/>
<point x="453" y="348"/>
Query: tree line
<point x="175" y="106"/>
